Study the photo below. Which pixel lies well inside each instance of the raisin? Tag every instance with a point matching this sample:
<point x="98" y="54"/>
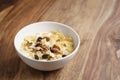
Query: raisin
<point x="37" y="45"/>
<point x="64" y="55"/>
<point x="39" y="39"/>
<point x="45" y="56"/>
<point x="36" y="57"/>
<point x="51" y="50"/>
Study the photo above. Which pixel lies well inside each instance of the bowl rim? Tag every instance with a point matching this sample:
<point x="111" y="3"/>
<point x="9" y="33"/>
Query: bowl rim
<point x="64" y="25"/>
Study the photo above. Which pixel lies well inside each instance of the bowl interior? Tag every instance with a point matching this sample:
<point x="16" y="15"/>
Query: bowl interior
<point x="42" y="27"/>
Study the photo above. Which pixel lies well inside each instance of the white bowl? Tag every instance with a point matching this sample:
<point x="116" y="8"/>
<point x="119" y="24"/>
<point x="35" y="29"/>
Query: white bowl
<point x="41" y="27"/>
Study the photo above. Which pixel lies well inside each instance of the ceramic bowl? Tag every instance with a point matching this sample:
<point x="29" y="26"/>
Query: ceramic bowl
<point x="41" y="27"/>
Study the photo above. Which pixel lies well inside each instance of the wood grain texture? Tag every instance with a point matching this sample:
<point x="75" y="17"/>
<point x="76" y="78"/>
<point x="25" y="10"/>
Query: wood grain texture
<point x="96" y="21"/>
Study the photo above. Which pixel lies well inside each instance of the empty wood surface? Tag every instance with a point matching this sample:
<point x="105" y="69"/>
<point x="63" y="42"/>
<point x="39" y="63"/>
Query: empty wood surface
<point x="96" y="21"/>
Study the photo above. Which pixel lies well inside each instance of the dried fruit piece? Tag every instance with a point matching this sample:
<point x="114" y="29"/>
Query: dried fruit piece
<point x="39" y="39"/>
<point x="36" y="57"/>
<point x="64" y="55"/>
<point x="37" y="45"/>
<point x="51" y="50"/>
<point x="45" y="56"/>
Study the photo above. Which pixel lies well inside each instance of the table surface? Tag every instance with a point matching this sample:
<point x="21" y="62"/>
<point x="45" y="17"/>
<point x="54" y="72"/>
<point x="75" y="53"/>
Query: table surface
<point x="96" y="21"/>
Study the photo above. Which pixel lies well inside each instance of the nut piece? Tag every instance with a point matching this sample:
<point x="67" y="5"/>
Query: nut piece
<point x="44" y="48"/>
<point x="47" y="38"/>
<point x="55" y="46"/>
<point x="28" y="43"/>
<point x="55" y="50"/>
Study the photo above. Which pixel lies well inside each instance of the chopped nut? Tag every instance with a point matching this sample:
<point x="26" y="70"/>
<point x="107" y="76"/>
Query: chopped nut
<point x="36" y="57"/>
<point x="28" y="43"/>
<point x="49" y="57"/>
<point x="47" y="38"/>
<point x="44" y="48"/>
<point x="41" y="50"/>
<point x="55" y="50"/>
<point x="55" y="46"/>
<point x="34" y="50"/>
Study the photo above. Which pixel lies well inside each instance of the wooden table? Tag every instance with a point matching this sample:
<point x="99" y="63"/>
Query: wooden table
<point x="96" y="21"/>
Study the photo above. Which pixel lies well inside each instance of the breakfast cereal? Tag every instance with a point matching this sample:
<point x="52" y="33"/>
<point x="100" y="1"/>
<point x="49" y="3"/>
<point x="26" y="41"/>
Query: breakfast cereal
<point x="47" y="46"/>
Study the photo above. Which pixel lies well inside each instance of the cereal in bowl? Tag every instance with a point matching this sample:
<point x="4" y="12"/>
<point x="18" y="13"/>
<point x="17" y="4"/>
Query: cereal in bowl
<point x="47" y="46"/>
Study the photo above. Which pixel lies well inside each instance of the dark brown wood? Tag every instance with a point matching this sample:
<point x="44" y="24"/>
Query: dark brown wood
<point x="96" y="21"/>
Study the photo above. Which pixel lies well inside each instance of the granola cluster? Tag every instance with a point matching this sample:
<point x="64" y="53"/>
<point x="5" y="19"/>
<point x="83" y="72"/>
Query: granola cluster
<point x="47" y="46"/>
